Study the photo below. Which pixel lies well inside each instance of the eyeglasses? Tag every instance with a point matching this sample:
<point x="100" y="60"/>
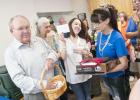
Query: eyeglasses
<point x="22" y="28"/>
<point x="95" y="25"/>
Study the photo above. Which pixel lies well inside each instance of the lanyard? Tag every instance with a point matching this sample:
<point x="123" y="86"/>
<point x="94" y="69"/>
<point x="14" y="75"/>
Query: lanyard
<point x="107" y="41"/>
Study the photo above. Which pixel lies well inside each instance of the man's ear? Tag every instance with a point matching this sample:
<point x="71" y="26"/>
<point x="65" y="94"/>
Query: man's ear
<point x="11" y="30"/>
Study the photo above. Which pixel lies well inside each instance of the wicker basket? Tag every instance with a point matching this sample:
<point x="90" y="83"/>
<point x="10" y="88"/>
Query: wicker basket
<point x="53" y="94"/>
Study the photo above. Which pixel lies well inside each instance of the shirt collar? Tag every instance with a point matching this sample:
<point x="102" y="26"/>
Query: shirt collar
<point x="18" y="44"/>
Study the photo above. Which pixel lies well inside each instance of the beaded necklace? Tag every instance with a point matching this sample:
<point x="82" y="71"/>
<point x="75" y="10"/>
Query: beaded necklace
<point x="107" y="41"/>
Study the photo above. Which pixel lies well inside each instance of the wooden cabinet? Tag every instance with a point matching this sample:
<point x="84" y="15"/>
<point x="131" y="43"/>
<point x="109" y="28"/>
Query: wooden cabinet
<point x="121" y="5"/>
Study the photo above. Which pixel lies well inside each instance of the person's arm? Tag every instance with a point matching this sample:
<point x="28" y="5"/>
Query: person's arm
<point x="122" y="66"/>
<point x="134" y="95"/>
<point x="62" y="50"/>
<point x="132" y="54"/>
<point x="127" y="42"/>
<point x="19" y="76"/>
<point x="122" y="52"/>
<point x="50" y="55"/>
<point x="51" y="58"/>
<point x="131" y="34"/>
<point x="62" y="46"/>
<point x="132" y="29"/>
<point x="89" y="45"/>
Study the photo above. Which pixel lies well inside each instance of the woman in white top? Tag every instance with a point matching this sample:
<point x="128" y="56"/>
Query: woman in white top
<point x="72" y="49"/>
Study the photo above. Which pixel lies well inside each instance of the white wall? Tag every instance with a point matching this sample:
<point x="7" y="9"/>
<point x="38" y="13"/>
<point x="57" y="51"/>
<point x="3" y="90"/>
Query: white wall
<point x="9" y="9"/>
<point x="53" y="5"/>
<point x="29" y="9"/>
<point x="77" y="6"/>
<point x="80" y="6"/>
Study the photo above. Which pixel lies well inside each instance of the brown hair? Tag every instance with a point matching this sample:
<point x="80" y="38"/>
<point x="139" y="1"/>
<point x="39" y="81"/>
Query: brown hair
<point x="83" y="33"/>
<point x="124" y="15"/>
<point x="103" y="13"/>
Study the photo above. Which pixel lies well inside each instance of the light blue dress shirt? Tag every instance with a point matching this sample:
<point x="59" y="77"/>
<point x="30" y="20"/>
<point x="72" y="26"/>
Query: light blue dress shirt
<point x="26" y="62"/>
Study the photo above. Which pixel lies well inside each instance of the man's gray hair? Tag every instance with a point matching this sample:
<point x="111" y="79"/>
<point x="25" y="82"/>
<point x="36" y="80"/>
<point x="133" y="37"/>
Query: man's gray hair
<point x="13" y="18"/>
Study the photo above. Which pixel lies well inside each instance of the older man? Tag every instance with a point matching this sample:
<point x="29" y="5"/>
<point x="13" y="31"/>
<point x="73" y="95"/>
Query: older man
<point x="26" y="57"/>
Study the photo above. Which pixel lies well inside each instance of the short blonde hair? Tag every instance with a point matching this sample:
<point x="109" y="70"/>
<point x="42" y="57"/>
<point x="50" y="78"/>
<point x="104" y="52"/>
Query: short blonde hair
<point x="13" y="18"/>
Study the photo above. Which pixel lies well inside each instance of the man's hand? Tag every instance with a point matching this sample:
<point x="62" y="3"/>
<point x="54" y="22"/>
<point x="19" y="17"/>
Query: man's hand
<point x="51" y="86"/>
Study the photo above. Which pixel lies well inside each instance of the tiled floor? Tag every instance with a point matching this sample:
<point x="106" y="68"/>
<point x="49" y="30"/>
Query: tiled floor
<point x="104" y="95"/>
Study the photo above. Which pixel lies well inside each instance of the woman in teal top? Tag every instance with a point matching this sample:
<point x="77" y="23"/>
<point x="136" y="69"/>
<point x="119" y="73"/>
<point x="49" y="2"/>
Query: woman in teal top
<point x="110" y="43"/>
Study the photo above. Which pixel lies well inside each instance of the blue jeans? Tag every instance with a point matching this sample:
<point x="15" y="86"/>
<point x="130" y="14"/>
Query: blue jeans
<point x="117" y="87"/>
<point x="82" y="90"/>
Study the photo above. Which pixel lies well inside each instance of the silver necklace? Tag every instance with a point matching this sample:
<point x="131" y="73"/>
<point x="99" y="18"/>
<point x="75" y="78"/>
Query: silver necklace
<point x="107" y="41"/>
